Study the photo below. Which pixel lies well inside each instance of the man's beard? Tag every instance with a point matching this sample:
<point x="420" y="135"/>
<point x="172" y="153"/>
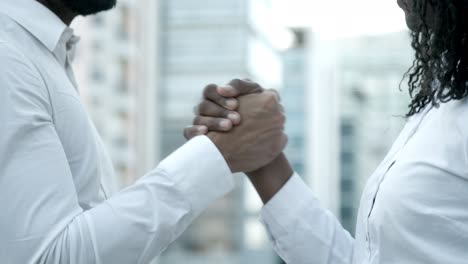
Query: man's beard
<point x="89" y="7"/>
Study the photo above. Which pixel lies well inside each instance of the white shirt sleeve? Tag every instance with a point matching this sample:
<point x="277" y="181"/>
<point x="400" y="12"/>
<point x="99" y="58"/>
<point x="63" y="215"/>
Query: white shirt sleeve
<point x="301" y="231"/>
<point x="40" y="218"/>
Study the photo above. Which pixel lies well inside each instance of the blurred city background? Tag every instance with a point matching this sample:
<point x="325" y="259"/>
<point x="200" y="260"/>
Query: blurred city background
<point x="338" y="65"/>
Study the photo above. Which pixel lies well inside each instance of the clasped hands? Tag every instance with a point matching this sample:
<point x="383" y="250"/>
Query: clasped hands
<point x="246" y="123"/>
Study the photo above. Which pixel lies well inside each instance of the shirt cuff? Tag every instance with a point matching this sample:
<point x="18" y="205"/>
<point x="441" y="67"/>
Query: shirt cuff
<point x="281" y="212"/>
<point x="200" y="172"/>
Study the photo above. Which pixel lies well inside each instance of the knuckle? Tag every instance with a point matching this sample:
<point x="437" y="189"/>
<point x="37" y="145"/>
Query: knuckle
<point x="198" y="120"/>
<point x="274" y="92"/>
<point x="256" y="85"/>
<point x="221" y="101"/>
<point x="270" y="97"/>
<point x="223" y="112"/>
<point x="279" y="143"/>
<point x="202" y="107"/>
<point x="236" y="83"/>
<point x="188" y="132"/>
<point x="281" y="118"/>
<point x="209" y="89"/>
<point x="270" y="101"/>
<point x="253" y="86"/>
<point x="213" y="123"/>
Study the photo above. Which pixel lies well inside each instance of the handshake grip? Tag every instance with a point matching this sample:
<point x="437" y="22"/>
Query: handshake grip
<point x="259" y="137"/>
<point x="245" y="122"/>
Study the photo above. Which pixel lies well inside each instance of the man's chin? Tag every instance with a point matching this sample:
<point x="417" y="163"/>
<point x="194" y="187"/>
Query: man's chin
<point x="89" y="7"/>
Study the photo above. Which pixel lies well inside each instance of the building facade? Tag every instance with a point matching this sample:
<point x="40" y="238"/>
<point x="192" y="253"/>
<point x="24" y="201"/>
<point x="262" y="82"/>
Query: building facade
<point x="147" y="62"/>
<point x="116" y="69"/>
<point x="207" y="42"/>
<point x="293" y="98"/>
<point x="372" y="110"/>
<point x="142" y="68"/>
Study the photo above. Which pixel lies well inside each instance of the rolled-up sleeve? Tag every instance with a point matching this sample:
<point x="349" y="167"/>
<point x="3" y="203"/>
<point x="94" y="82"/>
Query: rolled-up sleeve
<point x="40" y="217"/>
<point x="302" y="232"/>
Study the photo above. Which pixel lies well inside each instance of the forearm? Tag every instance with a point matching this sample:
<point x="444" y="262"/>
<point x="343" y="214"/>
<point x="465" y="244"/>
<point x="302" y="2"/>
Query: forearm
<point x="140" y="222"/>
<point x="134" y="226"/>
<point x="44" y="223"/>
<point x="270" y="179"/>
<point x="302" y="231"/>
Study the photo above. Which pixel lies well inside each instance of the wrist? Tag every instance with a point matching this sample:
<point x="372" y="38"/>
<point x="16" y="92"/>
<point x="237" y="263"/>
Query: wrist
<point x="279" y="168"/>
<point x="271" y="178"/>
<point x="215" y="138"/>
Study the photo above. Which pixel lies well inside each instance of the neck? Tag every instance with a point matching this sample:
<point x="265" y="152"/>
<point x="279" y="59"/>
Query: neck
<point x="59" y="9"/>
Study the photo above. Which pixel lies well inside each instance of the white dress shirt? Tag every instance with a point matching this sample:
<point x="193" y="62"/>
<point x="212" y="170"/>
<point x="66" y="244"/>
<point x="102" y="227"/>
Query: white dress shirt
<point x="52" y="208"/>
<point x="414" y="209"/>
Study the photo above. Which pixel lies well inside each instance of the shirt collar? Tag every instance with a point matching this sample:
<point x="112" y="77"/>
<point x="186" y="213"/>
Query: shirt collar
<point x="39" y="21"/>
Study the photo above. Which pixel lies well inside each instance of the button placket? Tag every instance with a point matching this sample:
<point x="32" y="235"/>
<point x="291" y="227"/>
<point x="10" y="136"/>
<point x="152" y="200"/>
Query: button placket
<point x="391" y="161"/>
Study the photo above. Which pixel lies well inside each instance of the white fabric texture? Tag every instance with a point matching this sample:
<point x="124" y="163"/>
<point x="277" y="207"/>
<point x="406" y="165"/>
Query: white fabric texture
<point x="52" y="162"/>
<point x="414" y="208"/>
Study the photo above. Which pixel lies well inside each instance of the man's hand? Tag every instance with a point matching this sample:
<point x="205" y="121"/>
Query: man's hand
<point x="252" y="142"/>
<point x="267" y="180"/>
<point x="259" y="138"/>
<point x="218" y="109"/>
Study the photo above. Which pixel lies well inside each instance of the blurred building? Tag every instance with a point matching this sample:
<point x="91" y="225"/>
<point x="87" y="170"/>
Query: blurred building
<point x="322" y="122"/>
<point x="294" y="100"/>
<point x="142" y="68"/>
<point x="146" y="63"/>
<point x="372" y="109"/>
<point x="214" y="41"/>
<point x="354" y="112"/>
<point x="116" y="69"/>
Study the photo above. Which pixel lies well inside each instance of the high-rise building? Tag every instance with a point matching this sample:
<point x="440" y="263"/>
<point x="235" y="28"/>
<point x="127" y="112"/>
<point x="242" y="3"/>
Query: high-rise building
<point x="293" y="98"/>
<point x="144" y="67"/>
<point x="372" y="110"/>
<point x="322" y="122"/>
<point x="354" y="112"/>
<point x="206" y="42"/>
<point x="118" y="82"/>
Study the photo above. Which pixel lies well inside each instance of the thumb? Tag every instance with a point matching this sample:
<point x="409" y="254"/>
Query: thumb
<point x="238" y="87"/>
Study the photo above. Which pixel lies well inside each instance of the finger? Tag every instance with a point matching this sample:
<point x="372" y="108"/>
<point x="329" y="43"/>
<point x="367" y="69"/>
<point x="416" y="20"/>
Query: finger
<point x="284" y="141"/>
<point x="238" y="87"/>
<point x="193" y="131"/>
<point x="213" y="123"/>
<point x="277" y="94"/>
<point x="278" y="98"/>
<point x="211" y="93"/>
<point x="208" y="108"/>
<point x="281" y="108"/>
<point x="272" y="100"/>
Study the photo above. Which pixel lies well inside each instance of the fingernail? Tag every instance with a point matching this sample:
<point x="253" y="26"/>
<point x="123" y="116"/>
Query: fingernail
<point x="231" y="103"/>
<point x="225" y="124"/>
<point x="233" y="117"/>
<point x="202" y="129"/>
<point x="225" y="88"/>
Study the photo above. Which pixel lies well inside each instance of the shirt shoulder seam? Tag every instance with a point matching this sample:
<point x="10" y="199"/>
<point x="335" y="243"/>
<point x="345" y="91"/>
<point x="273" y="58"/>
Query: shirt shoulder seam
<point x="31" y="66"/>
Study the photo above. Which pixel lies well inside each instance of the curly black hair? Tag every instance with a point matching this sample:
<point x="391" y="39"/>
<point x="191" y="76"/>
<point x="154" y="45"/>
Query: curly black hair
<point x="439" y="73"/>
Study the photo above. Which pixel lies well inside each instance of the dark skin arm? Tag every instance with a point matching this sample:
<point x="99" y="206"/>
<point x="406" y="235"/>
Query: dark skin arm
<point x="269" y="180"/>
